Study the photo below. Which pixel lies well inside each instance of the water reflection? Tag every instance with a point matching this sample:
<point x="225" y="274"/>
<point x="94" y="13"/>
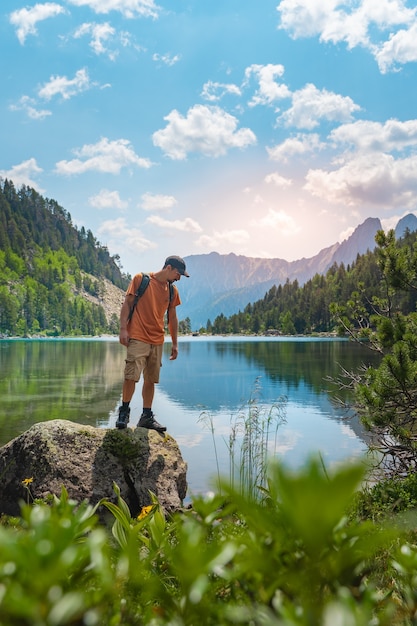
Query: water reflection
<point x="81" y="380"/>
<point x="57" y="379"/>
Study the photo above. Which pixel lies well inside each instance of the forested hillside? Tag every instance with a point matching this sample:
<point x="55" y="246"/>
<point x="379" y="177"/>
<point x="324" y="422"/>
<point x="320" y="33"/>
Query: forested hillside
<point x="53" y="277"/>
<point x="290" y="309"/>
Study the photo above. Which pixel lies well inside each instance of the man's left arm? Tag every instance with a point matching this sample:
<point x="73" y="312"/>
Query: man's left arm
<point x="173" y="331"/>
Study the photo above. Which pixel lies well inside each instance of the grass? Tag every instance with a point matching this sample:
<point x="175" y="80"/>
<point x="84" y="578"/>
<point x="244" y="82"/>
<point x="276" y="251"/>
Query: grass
<point x="252" y="441"/>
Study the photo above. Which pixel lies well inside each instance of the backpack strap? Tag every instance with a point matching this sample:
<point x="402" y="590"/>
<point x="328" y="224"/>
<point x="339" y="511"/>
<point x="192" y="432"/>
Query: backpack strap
<point x="139" y="293"/>
<point x="171" y="295"/>
<point x="141" y="290"/>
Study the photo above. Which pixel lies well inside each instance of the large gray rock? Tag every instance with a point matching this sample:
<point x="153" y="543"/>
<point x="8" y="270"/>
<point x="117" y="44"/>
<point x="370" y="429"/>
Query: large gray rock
<point x="87" y="461"/>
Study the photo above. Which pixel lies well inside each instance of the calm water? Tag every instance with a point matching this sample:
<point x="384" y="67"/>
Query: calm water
<point x="81" y="380"/>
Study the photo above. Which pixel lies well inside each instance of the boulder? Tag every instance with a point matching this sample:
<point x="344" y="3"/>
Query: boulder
<point x="87" y="461"/>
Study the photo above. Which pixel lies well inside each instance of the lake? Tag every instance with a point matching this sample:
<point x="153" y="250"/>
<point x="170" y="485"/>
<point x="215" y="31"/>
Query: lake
<point x="200" y="396"/>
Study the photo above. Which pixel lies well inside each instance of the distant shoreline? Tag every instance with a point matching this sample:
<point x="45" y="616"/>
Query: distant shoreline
<point x="106" y="337"/>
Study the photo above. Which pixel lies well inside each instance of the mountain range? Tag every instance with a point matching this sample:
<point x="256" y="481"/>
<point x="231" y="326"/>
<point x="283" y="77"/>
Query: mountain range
<point x="226" y="283"/>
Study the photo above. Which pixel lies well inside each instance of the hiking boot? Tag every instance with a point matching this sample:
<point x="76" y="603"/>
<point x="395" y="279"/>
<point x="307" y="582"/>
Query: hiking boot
<point x="149" y="421"/>
<point x="123" y="419"/>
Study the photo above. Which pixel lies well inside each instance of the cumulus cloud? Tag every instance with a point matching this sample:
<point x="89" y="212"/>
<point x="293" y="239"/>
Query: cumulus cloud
<point x="369" y="136"/>
<point x="105" y="156"/>
<point x="367" y="23"/>
<point x="295" y="146"/>
<point x="310" y="105"/>
<point x="206" y="129"/>
<point x="157" y="202"/>
<point x="106" y="199"/>
<point x="214" y="92"/>
<point x="128" y="8"/>
<point x="269" y="91"/>
<point x="22" y="174"/>
<point x="26" y="20"/>
<point x="65" y="87"/>
<point x="120" y="235"/>
<point x="188" y="225"/>
<point x="367" y="179"/>
<point x="400" y="48"/>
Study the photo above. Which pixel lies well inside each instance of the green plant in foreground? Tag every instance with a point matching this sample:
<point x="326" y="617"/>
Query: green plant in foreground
<point x="55" y="568"/>
<point x="293" y="557"/>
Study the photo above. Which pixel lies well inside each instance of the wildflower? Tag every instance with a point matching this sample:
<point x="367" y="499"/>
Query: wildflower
<point x="27" y="481"/>
<point x="145" y="511"/>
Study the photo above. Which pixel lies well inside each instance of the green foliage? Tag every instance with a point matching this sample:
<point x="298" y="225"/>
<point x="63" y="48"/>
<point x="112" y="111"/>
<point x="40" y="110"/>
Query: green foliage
<point x="386" y="395"/>
<point x="295" y="558"/>
<point x="55" y="569"/>
<point x="293" y="309"/>
<point x="43" y="259"/>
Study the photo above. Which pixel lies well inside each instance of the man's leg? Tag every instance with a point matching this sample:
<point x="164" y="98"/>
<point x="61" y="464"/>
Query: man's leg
<point x="128" y="390"/>
<point x="148" y="392"/>
<point x="150" y="378"/>
<point x="135" y="361"/>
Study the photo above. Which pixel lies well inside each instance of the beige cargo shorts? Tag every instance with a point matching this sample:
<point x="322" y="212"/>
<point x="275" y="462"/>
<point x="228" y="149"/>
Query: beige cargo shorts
<point x="143" y="358"/>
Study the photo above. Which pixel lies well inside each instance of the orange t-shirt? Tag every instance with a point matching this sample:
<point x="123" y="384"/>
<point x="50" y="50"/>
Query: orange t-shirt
<point x="147" y="323"/>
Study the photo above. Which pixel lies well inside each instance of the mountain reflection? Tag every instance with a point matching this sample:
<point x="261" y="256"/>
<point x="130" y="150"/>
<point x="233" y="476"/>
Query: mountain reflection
<point x="222" y="372"/>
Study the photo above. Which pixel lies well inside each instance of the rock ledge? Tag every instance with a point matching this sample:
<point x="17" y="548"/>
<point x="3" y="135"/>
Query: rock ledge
<point x="87" y="461"/>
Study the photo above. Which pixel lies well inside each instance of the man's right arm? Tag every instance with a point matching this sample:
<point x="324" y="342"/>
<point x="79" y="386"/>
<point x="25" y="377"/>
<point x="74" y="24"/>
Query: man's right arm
<point x="124" y="314"/>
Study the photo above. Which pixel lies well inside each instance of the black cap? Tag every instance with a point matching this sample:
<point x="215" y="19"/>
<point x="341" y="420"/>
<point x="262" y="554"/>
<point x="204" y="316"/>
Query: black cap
<point x="178" y="263"/>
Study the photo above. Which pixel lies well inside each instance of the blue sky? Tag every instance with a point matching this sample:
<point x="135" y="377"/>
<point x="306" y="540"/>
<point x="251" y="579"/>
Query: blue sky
<point x="264" y="128"/>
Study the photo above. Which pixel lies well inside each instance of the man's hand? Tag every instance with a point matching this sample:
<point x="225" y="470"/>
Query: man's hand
<point x="174" y="353"/>
<point x="124" y="337"/>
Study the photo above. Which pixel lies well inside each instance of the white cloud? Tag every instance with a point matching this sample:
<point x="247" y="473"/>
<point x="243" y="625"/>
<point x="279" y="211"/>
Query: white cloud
<point x="278" y="220"/>
<point x="106" y="199"/>
<point x="367" y="23"/>
<point x="278" y="180"/>
<point x="65" y="87"/>
<point x="101" y="35"/>
<point x="269" y="90"/>
<point x="128" y="8"/>
<point x="28" y="105"/>
<point x="389" y="223"/>
<point x="208" y="130"/>
<point x="213" y="91"/>
<point x="299" y="145"/>
<point x="104" y="156"/>
<point x="401" y="47"/>
<point x="368" y="179"/>
<point x="167" y="59"/>
<point x="188" y="225"/>
<point x="26" y="20"/>
<point x="157" y="202"/>
<point x="122" y="236"/>
<point x="309" y="105"/>
<point x="374" y="136"/>
<point x="345" y="234"/>
<point x="222" y="241"/>
<point x="22" y="174"/>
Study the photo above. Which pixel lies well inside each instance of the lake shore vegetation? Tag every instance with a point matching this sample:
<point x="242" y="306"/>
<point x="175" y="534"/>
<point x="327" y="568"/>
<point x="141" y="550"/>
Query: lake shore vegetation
<point x="313" y="549"/>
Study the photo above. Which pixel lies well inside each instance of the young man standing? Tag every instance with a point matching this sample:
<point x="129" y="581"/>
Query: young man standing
<point x="144" y="334"/>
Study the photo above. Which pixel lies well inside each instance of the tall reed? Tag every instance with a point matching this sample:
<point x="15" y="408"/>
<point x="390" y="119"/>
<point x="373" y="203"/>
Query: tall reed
<point x="252" y="441"/>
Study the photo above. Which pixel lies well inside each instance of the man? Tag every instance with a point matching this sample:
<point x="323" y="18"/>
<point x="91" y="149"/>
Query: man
<point x="144" y="337"/>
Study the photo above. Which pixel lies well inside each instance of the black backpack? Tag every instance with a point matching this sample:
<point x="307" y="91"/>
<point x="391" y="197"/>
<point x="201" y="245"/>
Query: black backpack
<point x="141" y="290"/>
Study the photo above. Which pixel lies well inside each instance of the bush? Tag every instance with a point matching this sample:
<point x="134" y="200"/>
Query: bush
<point x="290" y="557"/>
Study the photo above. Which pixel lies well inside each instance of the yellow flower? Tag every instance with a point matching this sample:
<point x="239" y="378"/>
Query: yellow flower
<point x="145" y="511"/>
<point x="27" y="481"/>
